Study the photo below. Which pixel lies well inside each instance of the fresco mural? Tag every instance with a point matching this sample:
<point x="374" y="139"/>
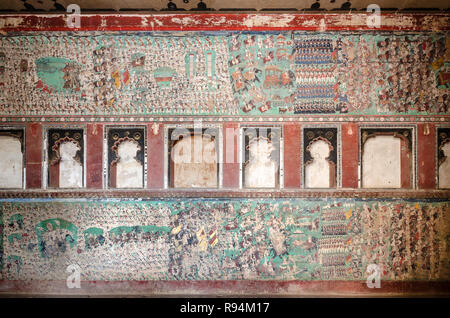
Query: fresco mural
<point x="229" y="73"/>
<point x="316" y="67"/>
<point x="115" y="99"/>
<point x="261" y="72"/>
<point x="90" y="75"/>
<point x="224" y="239"/>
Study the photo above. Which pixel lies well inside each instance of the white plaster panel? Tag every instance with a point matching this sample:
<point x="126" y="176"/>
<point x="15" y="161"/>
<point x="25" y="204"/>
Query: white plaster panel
<point x="444" y="168"/>
<point x="70" y="170"/>
<point x="260" y="172"/>
<point x="381" y="162"/>
<point x="129" y="169"/>
<point x="317" y="173"/>
<point x="11" y="162"/>
<point x="195" y="162"/>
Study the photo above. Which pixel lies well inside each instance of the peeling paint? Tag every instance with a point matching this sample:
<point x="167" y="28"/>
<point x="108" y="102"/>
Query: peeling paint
<point x="281" y="21"/>
<point x="10" y="22"/>
<point x="185" y="21"/>
<point x="226" y="21"/>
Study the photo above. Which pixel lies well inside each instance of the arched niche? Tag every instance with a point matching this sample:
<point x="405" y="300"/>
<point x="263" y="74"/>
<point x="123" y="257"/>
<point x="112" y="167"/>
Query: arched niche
<point x="320" y="156"/>
<point x="65" y="158"/>
<point x="126" y="157"/>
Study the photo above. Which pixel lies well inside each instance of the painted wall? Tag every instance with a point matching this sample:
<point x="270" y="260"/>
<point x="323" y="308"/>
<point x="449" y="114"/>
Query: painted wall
<point x="267" y="211"/>
<point x="227" y="74"/>
<point x="229" y="239"/>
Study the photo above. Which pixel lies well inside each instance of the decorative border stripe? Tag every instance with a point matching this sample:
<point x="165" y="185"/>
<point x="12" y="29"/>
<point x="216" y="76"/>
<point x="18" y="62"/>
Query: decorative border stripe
<point x="139" y="119"/>
<point x="220" y="193"/>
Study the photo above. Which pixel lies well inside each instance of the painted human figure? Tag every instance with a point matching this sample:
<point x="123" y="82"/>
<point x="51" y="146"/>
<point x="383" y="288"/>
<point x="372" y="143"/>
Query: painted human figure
<point x="11" y="162"/>
<point x="319" y="172"/>
<point x="261" y="169"/>
<point x="129" y="169"/>
<point x="444" y="167"/>
<point x="70" y="170"/>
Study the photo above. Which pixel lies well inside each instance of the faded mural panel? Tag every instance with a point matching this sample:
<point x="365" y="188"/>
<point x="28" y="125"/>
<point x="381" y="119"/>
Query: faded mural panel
<point x="444" y="168"/>
<point x="444" y="158"/>
<point x="317" y="172"/>
<point x="193" y="239"/>
<point x="65" y="158"/>
<point x="320" y="157"/>
<point x="261" y="156"/>
<point x="11" y="158"/>
<point x="381" y="163"/>
<point x="386" y="157"/>
<point x="193" y="160"/>
<point x="126" y="157"/>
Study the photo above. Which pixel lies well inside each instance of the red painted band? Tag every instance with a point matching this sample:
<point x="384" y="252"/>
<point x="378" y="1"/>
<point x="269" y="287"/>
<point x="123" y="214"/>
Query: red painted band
<point x="225" y="22"/>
